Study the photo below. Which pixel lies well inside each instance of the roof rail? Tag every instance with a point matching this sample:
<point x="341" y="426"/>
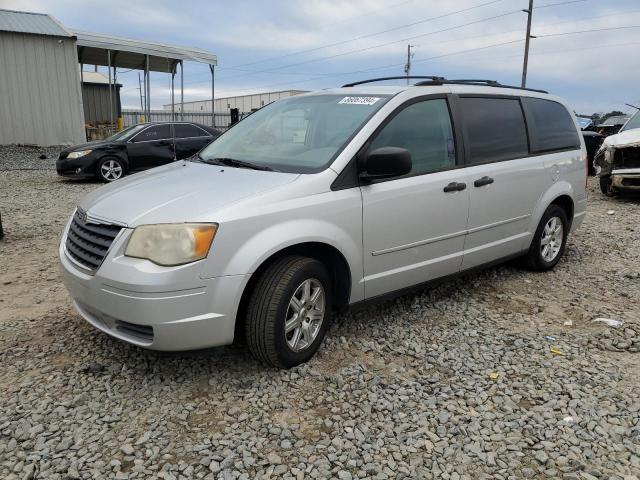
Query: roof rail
<point x="474" y="81"/>
<point x="434" y="80"/>
<point x="381" y="79"/>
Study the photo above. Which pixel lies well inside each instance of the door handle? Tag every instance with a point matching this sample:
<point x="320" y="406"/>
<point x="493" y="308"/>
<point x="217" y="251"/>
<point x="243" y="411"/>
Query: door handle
<point x="455" y="187"/>
<point x="481" y="182"/>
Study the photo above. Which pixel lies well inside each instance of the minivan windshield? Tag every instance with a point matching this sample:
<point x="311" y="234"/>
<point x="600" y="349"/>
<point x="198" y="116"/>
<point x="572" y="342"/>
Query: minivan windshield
<point x="298" y="134"/>
<point x="633" y="122"/>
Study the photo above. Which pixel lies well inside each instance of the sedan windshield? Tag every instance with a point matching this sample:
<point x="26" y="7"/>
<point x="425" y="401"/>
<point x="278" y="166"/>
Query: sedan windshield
<point x="300" y="134"/>
<point x="127" y="133"/>
<point x="634" y="122"/>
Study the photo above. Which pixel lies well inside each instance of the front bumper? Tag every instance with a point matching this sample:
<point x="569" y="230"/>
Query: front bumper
<point x="83" y="167"/>
<point x="159" y="308"/>
<point x="626" y="180"/>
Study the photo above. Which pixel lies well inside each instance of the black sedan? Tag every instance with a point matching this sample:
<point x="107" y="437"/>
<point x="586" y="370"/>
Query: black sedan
<point x="133" y="149"/>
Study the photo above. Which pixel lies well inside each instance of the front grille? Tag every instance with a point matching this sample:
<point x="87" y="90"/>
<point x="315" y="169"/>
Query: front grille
<point x="141" y="332"/>
<point x="88" y="243"/>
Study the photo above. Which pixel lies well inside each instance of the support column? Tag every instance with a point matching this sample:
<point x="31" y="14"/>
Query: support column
<point x="147" y="104"/>
<point x="213" y="98"/>
<point x="181" y="90"/>
<point x="173" y="74"/>
<point x="110" y="95"/>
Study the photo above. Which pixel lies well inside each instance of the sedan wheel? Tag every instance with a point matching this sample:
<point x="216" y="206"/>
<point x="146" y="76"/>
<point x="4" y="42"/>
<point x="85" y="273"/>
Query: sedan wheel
<point x="110" y="170"/>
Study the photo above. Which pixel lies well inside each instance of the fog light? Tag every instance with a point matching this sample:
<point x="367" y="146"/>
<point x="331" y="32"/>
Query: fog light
<point x="78" y="170"/>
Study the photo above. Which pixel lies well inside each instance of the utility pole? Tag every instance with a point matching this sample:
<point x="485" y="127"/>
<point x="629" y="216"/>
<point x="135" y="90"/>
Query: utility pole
<point x="407" y="66"/>
<point x="526" y="44"/>
<point x="140" y="88"/>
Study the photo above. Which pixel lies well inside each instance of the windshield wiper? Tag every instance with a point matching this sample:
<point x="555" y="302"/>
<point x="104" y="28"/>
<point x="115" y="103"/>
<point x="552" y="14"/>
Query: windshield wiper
<point x="232" y="162"/>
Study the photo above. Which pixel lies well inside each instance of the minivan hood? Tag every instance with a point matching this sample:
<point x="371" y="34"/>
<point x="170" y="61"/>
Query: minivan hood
<point x="178" y="192"/>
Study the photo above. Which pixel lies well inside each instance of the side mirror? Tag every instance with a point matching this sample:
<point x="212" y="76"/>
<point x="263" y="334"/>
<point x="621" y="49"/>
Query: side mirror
<point x="384" y="162"/>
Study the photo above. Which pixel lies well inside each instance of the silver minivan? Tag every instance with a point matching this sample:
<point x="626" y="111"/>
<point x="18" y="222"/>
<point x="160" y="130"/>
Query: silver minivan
<point x="322" y="201"/>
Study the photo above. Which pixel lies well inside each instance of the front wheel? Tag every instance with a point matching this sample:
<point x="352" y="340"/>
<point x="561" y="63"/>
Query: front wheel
<point x="110" y="169"/>
<point x="549" y="241"/>
<point x="289" y="311"/>
<point x="606" y="186"/>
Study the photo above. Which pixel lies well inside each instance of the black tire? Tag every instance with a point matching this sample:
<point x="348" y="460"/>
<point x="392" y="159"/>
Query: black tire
<point x="269" y="305"/>
<point x="117" y="164"/>
<point x="534" y="258"/>
<point x="606" y="186"/>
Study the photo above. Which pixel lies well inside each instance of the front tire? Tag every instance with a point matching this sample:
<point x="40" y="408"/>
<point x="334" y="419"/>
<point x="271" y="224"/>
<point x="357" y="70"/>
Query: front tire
<point x="110" y="169"/>
<point x="606" y="186"/>
<point x="549" y="241"/>
<point x="289" y="311"/>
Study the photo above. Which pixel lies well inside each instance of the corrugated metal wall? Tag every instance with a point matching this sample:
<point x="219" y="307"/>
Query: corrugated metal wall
<point x="95" y="101"/>
<point x="40" y="98"/>
<point x="244" y="103"/>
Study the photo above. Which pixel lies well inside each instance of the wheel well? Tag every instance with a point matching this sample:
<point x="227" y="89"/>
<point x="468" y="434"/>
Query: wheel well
<point x="566" y="203"/>
<point x="330" y="256"/>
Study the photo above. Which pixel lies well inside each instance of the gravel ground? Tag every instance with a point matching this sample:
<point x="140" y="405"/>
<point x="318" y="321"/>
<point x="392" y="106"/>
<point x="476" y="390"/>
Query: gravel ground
<point x="457" y="382"/>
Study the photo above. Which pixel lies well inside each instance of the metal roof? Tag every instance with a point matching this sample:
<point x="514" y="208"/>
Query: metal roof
<point x="97" y="78"/>
<point x="128" y="53"/>
<point x="29" y="22"/>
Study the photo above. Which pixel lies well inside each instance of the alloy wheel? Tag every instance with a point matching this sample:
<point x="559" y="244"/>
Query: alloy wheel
<point x="305" y="314"/>
<point x="551" y="241"/>
<point x="111" y="170"/>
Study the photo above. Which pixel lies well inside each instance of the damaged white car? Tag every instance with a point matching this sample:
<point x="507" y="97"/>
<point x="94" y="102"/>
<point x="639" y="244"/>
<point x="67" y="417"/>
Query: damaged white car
<point x="617" y="162"/>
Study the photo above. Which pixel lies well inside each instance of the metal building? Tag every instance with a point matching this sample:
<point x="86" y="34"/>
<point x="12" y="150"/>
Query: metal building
<point x="95" y="101"/>
<point x="244" y="103"/>
<point x="40" y="75"/>
<point x="40" y="98"/>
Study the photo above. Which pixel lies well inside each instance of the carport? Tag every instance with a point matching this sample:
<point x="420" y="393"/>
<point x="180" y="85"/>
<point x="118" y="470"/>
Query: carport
<point x="115" y="52"/>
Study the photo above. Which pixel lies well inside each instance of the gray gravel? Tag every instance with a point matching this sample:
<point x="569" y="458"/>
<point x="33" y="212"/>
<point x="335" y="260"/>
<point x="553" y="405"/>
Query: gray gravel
<point x="457" y="382"/>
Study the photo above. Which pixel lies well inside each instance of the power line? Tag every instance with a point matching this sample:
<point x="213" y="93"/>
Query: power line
<point x="625" y="12"/>
<point x="391" y="65"/>
<point x="401" y="40"/>
<point x="587" y="31"/>
<point x="350" y="52"/>
<point x="342" y="42"/>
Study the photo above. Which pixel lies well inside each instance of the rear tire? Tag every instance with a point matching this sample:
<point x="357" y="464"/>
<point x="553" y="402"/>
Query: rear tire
<point x="606" y="186"/>
<point x="110" y="169"/>
<point x="289" y="311"/>
<point x="549" y="241"/>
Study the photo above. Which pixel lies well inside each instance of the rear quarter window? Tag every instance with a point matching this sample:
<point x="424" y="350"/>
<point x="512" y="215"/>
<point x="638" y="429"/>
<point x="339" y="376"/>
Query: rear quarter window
<point x="551" y="125"/>
<point x="495" y="129"/>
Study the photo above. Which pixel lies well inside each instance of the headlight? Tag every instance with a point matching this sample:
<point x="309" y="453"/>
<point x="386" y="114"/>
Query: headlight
<point x="79" y="153"/>
<point x="171" y="244"/>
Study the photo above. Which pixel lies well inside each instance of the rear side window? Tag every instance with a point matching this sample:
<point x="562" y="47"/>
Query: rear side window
<point x="495" y="129"/>
<point x="552" y="127"/>
<point x="157" y="132"/>
<point x="423" y="128"/>
<point x="184" y="130"/>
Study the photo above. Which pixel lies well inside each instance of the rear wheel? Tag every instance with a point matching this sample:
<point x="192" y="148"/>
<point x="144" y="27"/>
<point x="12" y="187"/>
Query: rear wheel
<point x="549" y="241"/>
<point x="606" y="186"/>
<point x="289" y="311"/>
<point x="110" y="169"/>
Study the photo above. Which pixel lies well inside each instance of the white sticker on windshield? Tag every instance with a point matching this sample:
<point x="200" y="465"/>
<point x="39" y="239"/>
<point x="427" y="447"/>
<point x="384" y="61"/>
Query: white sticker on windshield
<point x="359" y="100"/>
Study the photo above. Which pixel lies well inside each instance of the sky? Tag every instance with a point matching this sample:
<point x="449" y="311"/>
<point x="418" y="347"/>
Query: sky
<point x="587" y="51"/>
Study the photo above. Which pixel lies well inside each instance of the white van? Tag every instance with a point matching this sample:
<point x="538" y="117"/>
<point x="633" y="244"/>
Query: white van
<point x="322" y="201"/>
